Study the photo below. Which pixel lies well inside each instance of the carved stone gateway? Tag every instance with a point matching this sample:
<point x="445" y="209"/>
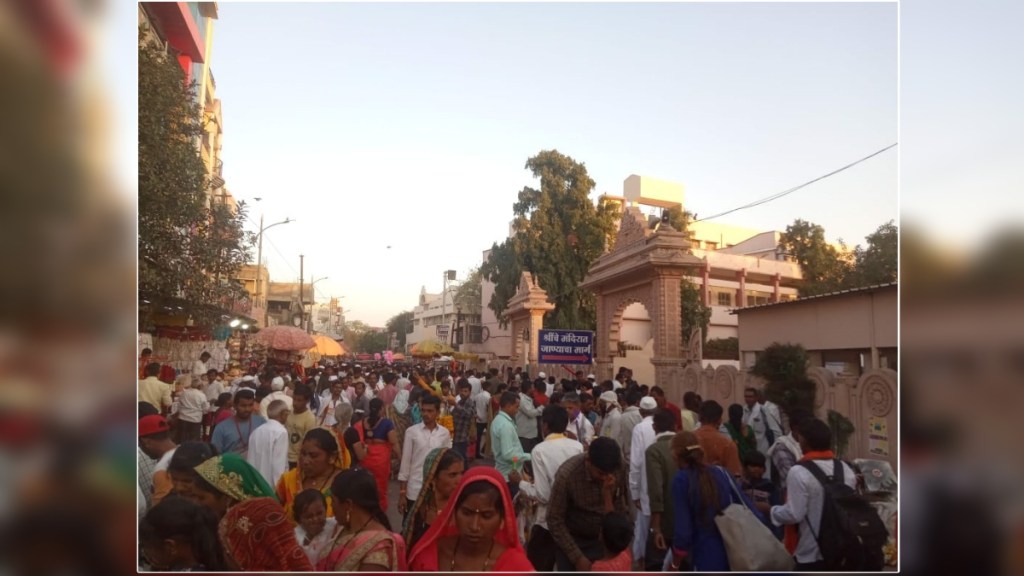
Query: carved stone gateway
<point x="526" y="317"/>
<point x="647" y="267"/>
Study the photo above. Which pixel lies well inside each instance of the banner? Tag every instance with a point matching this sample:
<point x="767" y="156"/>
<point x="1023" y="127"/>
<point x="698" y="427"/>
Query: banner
<point x="566" y="347"/>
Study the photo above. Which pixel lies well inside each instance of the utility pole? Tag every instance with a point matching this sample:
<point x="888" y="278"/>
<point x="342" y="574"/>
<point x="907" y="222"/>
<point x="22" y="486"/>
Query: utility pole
<point x="302" y="300"/>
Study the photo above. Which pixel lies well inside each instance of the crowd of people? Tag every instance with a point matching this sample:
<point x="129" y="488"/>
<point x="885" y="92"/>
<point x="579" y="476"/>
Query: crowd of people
<point x="496" y="471"/>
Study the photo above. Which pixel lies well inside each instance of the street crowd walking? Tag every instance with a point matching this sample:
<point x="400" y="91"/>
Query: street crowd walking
<point x="497" y="471"/>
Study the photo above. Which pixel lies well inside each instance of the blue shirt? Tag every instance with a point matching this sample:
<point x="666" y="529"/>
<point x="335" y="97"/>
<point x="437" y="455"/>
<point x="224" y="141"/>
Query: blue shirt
<point x="233" y="436"/>
<point x="505" y="443"/>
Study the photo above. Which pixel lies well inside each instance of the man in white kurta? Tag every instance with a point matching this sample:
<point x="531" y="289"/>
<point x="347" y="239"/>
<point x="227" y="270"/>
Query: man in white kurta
<point x="268" y="444"/>
<point x="643" y="437"/>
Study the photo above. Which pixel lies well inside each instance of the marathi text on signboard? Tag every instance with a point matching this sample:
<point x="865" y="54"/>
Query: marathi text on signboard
<point x="442" y="333"/>
<point x="566" y="347"/>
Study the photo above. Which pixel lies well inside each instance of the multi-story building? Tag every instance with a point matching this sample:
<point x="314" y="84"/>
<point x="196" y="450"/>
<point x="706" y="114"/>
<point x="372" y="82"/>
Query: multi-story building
<point x="284" y="305"/>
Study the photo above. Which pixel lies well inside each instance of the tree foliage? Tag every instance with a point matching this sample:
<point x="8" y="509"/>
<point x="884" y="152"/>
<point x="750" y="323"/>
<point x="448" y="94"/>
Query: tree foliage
<point x="558" y="233"/>
<point x="877" y="263"/>
<point x="468" y="295"/>
<point x="825" y="268"/>
<point x="784" y="366"/>
<point x="400" y="324"/>
<point x="189" y="247"/>
<point x="722" y="349"/>
<point x="695" y="313"/>
<point x="828" y="269"/>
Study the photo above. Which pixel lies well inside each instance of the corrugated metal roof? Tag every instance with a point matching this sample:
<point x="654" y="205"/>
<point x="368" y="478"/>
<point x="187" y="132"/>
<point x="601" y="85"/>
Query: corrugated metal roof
<point x="871" y="288"/>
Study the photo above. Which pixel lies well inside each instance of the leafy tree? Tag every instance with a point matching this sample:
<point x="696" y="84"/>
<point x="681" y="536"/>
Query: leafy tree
<point x="825" y="269"/>
<point x="189" y="247"/>
<point x="784" y="366"/>
<point x="468" y="295"/>
<point x="722" y="349"/>
<point x="373" y="342"/>
<point x="877" y="263"/>
<point x="503" y="269"/>
<point x="558" y="233"/>
<point x="695" y="313"/>
<point x="401" y="325"/>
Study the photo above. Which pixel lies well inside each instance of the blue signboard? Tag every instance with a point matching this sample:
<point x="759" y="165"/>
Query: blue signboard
<point x="566" y="347"/>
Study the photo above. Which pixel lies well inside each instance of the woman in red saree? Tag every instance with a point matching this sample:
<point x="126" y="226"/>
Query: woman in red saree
<point x="258" y="537"/>
<point x="381" y="440"/>
<point x="476" y="532"/>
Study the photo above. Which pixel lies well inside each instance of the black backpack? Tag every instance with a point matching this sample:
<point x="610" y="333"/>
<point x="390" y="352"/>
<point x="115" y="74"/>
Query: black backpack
<point x="851" y="534"/>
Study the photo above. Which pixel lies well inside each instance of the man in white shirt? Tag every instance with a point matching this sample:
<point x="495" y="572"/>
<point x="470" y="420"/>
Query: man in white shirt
<point x="483" y="405"/>
<point x="268" y="444"/>
<point x="192" y="406"/>
<point x="630" y="418"/>
<point x="420" y="439"/>
<point x="761" y="421"/>
<point x="807" y="495"/>
<point x="643" y="437"/>
<point x="526" y="417"/>
<point x="580" y="427"/>
<point x="199" y="367"/>
<point x="278" y="393"/>
<point x="611" y="415"/>
<point x="214" y="386"/>
<point x="547" y="457"/>
<point x="474" y="383"/>
<point x="328" y="401"/>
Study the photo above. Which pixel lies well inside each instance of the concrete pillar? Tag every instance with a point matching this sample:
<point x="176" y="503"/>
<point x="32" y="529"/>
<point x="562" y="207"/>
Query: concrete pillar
<point x="741" y="293"/>
<point x="536" y="324"/>
<point x="705" y="289"/>
<point x="667" y="328"/>
<point x="775" y="287"/>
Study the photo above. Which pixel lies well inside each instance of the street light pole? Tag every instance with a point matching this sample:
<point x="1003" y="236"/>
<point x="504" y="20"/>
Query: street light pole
<point x="259" y="263"/>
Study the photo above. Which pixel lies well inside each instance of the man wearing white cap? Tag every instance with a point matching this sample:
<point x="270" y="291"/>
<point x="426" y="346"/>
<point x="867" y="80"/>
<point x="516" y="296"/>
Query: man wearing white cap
<point x="278" y="393"/>
<point x="643" y="437"/>
<point x="611" y="415"/>
<point x="329" y="400"/>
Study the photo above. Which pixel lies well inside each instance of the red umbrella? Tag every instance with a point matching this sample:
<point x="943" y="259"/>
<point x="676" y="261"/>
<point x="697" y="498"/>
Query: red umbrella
<point x="285" y="338"/>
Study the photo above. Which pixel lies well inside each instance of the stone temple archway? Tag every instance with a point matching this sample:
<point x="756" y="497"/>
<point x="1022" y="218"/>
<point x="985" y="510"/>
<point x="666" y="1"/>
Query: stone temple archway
<point x="642" y="266"/>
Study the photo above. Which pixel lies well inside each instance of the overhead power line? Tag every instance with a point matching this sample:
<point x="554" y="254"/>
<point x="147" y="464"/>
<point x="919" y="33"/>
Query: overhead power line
<point x="794" y="189"/>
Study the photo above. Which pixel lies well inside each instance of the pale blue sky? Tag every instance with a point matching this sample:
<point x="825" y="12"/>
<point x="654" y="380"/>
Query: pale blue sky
<point x="409" y="124"/>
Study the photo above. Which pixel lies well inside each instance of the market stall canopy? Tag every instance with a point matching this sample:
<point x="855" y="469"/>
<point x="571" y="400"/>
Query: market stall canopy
<point x="325" y="346"/>
<point x="398" y="356"/>
<point x="428" y="348"/>
<point x="285" y="338"/>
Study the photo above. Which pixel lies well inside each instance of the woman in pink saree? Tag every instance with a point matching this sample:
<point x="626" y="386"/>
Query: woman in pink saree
<point x="365" y="542"/>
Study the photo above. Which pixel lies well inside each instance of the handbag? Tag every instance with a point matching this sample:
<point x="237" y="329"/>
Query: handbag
<point x="749" y="544"/>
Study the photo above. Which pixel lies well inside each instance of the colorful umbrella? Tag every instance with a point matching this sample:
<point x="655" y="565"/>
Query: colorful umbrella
<point x="326" y="346"/>
<point x="428" y="348"/>
<point x="285" y="338"/>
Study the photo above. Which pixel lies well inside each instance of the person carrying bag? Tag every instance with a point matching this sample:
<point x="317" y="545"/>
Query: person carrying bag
<point x="749" y="544"/>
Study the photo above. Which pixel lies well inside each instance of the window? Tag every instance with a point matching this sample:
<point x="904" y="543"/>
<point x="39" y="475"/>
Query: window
<point x="724" y="299"/>
<point x="711" y="245"/>
<point x="476" y="334"/>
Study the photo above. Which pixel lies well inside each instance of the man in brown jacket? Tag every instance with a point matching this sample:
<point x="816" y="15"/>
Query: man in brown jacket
<point x="718" y="449"/>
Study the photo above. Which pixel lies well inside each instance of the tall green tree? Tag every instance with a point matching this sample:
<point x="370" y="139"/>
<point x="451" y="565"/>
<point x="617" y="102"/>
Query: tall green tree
<point x="695" y="313"/>
<point x="400" y="324"/>
<point x="825" y="268"/>
<point x="558" y="233"/>
<point x="189" y="247"/>
<point x="878" y="262"/>
<point x="468" y="296"/>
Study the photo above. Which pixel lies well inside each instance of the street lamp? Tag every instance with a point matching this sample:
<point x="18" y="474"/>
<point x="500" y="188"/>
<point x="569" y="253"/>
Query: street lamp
<point x="259" y="262"/>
